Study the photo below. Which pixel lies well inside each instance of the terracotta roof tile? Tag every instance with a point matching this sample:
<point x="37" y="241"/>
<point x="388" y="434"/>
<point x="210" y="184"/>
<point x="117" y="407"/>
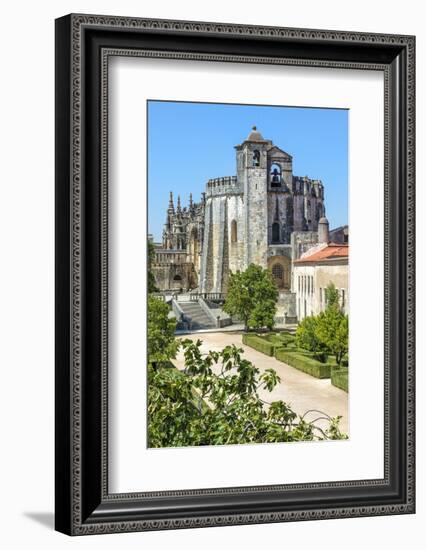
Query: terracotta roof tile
<point x="329" y="252"/>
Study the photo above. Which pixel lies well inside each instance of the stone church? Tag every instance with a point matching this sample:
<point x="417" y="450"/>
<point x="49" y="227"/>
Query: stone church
<point x="263" y="215"/>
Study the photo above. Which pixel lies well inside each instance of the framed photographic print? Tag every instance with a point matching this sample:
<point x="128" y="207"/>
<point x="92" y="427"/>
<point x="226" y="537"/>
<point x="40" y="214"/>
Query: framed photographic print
<point x="234" y="274"/>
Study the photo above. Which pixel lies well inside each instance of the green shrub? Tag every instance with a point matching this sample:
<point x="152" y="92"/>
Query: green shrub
<point x="303" y="361"/>
<point x="259" y="343"/>
<point x="339" y="378"/>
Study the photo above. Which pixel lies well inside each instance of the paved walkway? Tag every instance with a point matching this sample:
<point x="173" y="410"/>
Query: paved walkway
<point x="230" y="328"/>
<point x="299" y="390"/>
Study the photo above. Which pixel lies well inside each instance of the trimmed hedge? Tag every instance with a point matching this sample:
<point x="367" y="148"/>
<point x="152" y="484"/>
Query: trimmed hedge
<point x="273" y="339"/>
<point x="280" y="338"/>
<point x="268" y="343"/>
<point x="302" y="361"/>
<point x="258" y="343"/>
<point x="287" y="337"/>
<point x="339" y="378"/>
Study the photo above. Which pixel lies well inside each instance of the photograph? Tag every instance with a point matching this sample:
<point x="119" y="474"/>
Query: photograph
<point x="247" y="274"/>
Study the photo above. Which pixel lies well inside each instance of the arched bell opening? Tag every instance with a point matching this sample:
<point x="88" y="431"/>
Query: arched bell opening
<point x="275" y="176"/>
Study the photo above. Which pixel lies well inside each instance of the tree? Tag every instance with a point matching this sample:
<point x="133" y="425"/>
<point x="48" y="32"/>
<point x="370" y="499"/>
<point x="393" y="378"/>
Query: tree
<point x="252" y="296"/>
<point x="328" y="331"/>
<point x="333" y="331"/>
<point x="162" y="345"/>
<point x="151" y="256"/>
<point x="216" y="401"/>
<point x="307" y="336"/>
<point x="331" y="296"/>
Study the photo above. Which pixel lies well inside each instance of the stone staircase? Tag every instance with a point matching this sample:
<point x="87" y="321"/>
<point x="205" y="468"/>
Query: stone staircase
<point x="196" y="315"/>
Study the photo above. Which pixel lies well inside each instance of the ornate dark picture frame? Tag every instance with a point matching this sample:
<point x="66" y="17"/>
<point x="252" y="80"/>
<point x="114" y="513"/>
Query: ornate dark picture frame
<point x="83" y="45"/>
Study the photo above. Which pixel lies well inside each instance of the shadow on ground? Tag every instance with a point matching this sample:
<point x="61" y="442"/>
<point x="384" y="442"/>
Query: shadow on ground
<point x="47" y="519"/>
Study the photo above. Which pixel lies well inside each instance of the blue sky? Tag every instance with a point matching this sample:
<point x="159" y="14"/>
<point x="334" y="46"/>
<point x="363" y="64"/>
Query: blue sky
<point x="189" y="143"/>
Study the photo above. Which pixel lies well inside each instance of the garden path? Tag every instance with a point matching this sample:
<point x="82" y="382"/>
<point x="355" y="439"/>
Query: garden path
<point x="299" y="390"/>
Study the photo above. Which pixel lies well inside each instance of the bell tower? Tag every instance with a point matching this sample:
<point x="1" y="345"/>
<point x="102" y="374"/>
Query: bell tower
<point x="252" y="174"/>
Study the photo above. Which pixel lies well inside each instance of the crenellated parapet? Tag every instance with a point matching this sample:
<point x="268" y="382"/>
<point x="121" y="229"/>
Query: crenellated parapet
<point x="227" y="185"/>
<point x="168" y="257"/>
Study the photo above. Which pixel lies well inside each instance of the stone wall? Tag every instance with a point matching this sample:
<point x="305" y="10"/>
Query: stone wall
<point x="301" y="242"/>
<point x="286" y="305"/>
<point x="256" y="217"/>
<point x="340" y="235"/>
<point x="172" y="276"/>
<point x="236" y="232"/>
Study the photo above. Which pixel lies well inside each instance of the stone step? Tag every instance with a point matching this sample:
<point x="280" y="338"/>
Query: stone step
<point x="196" y="314"/>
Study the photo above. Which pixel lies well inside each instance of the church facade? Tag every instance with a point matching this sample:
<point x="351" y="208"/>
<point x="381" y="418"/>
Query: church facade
<point x="264" y="215"/>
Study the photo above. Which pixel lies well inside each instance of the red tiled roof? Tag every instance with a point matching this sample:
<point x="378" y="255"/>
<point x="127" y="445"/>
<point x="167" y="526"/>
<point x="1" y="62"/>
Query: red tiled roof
<point x="329" y="252"/>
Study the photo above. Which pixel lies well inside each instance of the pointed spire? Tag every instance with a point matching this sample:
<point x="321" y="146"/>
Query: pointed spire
<point x="191" y="204"/>
<point x="171" y="204"/>
<point x="178" y="208"/>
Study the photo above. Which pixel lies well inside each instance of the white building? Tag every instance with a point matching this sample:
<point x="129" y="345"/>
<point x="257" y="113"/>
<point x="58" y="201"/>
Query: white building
<point x="321" y="265"/>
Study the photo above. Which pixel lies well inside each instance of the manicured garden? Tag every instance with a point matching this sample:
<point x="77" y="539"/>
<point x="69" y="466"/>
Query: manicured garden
<point x="285" y="347"/>
<point x="320" y="345"/>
